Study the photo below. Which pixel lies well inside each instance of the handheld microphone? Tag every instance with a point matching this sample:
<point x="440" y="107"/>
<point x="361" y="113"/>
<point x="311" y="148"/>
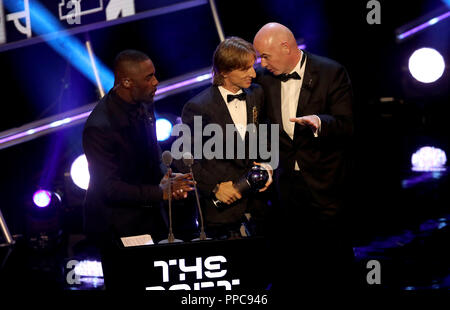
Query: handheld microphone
<point x="188" y="160"/>
<point x="167" y="161"/>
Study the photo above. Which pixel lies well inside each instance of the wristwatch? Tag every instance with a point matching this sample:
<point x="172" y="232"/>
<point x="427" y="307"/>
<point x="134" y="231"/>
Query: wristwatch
<point x="215" y="189"/>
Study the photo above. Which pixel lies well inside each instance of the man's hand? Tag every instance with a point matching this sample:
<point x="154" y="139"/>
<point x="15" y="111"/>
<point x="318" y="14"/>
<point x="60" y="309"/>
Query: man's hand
<point x="181" y="185"/>
<point x="227" y="193"/>
<point x="313" y="121"/>
<point x="270" y="170"/>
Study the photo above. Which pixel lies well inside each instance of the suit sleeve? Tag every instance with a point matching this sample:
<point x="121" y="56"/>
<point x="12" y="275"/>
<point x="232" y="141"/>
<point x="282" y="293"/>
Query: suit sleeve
<point x="103" y="166"/>
<point x="339" y="121"/>
<point x="263" y="120"/>
<point x="204" y="177"/>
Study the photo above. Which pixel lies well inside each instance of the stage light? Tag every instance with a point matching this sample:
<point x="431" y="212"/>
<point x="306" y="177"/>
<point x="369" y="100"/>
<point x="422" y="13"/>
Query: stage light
<point x="163" y="129"/>
<point x="69" y="47"/>
<point x="403" y="33"/>
<point x="89" y="268"/>
<point x="426" y="65"/>
<point x="79" y="172"/>
<point x="42" y="198"/>
<point x="43" y="219"/>
<point x="428" y="158"/>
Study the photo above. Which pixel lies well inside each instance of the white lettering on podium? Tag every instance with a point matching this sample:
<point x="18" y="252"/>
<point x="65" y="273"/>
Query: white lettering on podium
<point x="210" y="268"/>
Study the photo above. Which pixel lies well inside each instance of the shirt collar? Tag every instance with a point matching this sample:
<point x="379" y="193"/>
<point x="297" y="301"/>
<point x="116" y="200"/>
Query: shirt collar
<point x="123" y="110"/>
<point x="225" y="92"/>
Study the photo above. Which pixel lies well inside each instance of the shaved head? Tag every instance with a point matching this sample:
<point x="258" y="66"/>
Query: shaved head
<point x="275" y="33"/>
<point x="127" y="64"/>
<point x="134" y="74"/>
<point x="278" y="48"/>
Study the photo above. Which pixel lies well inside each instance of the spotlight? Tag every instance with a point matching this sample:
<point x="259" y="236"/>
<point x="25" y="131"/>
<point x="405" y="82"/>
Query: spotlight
<point x="89" y="268"/>
<point x="163" y="129"/>
<point x="43" y="224"/>
<point x="426" y="65"/>
<point x="42" y="198"/>
<point x="428" y="158"/>
<point x="79" y="172"/>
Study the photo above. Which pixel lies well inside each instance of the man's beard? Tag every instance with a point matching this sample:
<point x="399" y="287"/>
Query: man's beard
<point x="145" y="99"/>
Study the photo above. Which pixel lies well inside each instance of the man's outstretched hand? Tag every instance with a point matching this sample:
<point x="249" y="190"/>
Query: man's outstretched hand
<point x="312" y="121"/>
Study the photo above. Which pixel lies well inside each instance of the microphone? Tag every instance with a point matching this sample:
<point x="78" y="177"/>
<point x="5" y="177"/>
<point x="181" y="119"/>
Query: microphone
<point x="167" y="158"/>
<point x="188" y="160"/>
<point x="167" y="161"/>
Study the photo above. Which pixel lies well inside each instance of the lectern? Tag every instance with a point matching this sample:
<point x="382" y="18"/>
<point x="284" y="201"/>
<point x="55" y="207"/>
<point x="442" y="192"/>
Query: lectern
<point x="205" y="265"/>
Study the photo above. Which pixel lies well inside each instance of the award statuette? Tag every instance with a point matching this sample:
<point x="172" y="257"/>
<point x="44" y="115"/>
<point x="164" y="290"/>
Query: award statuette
<point x="253" y="181"/>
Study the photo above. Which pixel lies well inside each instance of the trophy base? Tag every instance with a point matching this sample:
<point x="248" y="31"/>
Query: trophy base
<point x="198" y="239"/>
<point x="167" y="241"/>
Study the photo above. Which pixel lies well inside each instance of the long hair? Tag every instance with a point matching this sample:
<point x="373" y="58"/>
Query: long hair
<point x="231" y="54"/>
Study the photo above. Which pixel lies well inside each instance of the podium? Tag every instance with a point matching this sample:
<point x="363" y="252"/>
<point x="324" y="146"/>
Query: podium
<point x="202" y="265"/>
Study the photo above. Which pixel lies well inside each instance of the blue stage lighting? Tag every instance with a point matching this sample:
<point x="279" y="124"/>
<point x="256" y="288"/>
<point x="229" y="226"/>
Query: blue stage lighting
<point x="43" y="198"/>
<point x="426" y="65"/>
<point x="79" y="172"/>
<point x="68" y="47"/>
<point x="428" y="158"/>
<point x="163" y="129"/>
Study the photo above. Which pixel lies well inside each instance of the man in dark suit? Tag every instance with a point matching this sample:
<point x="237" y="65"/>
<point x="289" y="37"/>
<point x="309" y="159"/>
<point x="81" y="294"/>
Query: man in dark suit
<point x="127" y="184"/>
<point x="234" y="101"/>
<point x="311" y="98"/>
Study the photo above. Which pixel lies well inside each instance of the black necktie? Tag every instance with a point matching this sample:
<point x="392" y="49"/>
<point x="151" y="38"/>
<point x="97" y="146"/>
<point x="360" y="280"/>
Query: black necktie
<point x="286" y="77"/>
<point x="240" y="96"/>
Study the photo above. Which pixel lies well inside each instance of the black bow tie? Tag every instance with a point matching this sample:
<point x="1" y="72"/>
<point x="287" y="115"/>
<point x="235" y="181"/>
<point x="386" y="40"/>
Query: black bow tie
<point x="286" y="77"/>
<point x="240" y="96"/>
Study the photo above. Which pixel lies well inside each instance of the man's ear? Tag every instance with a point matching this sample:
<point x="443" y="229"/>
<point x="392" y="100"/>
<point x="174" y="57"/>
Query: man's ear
<point x="285" y="48"/>
<point x="126" y="82"/>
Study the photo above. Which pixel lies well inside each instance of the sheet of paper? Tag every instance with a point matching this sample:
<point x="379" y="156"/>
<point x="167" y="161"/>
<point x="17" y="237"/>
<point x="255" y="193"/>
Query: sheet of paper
<point x="137" y="240"/>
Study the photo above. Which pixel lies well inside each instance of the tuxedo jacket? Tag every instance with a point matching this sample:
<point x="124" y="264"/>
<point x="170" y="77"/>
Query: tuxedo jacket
<point x="326" y="92"/>
<point x="209" y="104"/>
<point x="123" y="195"/>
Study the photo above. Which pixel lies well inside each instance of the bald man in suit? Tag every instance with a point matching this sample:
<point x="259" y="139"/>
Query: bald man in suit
<point x="310" y="97"/>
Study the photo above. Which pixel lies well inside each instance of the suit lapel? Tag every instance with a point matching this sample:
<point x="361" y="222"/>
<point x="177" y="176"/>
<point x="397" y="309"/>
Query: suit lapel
<point x="276" y="99"/>
<point x="252" y="118"/>
<point x="223" y="115"/>
<point x="250" y="103"/>
<point x="309" y="80"/>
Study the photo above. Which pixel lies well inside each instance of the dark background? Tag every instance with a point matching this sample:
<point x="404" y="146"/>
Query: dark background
<point x="37" y="82"/>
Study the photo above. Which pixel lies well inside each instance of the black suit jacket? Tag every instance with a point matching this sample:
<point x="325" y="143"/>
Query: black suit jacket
<point x="123" y="195"/>
<point x="209" y="104"/>
<point x="326" y="92"/>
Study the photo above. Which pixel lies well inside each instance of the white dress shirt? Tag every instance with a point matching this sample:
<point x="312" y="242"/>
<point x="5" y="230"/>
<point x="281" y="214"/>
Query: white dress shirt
<point x="237" y="109"/>
<point x="290" y="94"/>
